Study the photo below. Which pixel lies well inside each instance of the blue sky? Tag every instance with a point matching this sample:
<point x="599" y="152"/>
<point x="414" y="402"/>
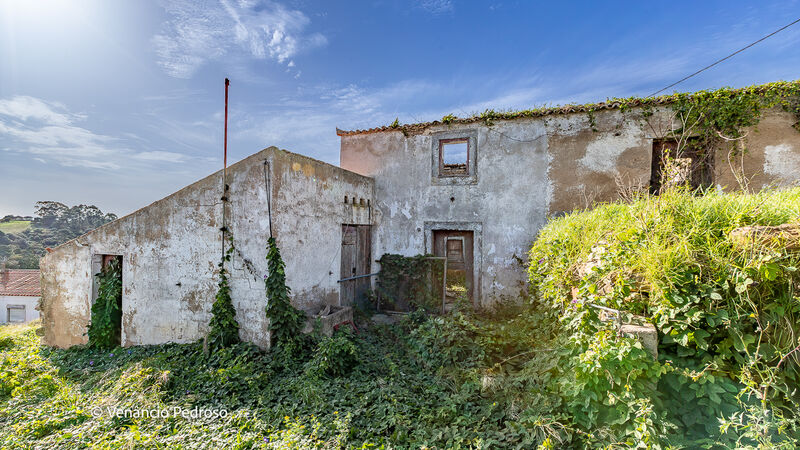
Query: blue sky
<point x="119" y="103"/>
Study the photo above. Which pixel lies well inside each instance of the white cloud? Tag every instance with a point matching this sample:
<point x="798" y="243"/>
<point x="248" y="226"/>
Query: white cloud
<point x="48" y="131"/>
<point x="161" y="156"/>
<point x="25" y="108"/>
<point x="200" y="32"/>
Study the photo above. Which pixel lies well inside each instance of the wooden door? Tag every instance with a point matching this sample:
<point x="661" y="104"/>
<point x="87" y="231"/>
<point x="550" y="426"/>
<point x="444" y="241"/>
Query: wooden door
<point x="356" y="250"/>
<point x="457" y="247"/>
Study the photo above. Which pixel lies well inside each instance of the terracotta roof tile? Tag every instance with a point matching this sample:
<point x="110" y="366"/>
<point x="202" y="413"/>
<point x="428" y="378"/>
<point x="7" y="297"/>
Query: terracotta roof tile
<point x="20" y="282"/>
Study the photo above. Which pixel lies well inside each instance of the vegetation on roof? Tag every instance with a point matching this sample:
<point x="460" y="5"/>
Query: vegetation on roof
<point x="724" y="107"/>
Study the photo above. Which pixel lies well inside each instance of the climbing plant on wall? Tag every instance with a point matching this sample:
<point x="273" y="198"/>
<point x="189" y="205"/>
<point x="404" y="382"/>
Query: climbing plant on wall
<point x="223" y="328"/>
<point x="285" y="321"/>
<point x="106" y="318"/>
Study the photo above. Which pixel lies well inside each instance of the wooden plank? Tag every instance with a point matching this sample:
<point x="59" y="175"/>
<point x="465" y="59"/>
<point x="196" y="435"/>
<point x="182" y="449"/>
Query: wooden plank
<point x="363" y="264"/>
<point x="348" y="266"/>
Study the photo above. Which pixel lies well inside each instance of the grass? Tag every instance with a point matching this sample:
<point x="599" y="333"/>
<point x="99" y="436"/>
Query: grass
<point x="15" y="226"/>
<point x="727" y="314"/>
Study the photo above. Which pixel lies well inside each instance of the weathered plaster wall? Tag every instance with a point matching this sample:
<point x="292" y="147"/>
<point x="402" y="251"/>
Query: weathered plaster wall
<point x="31" y="313"/>
<point x="529" y="169"/>
<point x="171" y="249"/>
<point x="772" y="158"/>
<point x="509" y="198"/>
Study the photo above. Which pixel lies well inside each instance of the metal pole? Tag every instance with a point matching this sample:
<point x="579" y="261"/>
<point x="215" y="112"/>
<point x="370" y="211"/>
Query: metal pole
<point x="444" y="284"/>
<point x="225" y="171"/>
<point x="225" y="144"/>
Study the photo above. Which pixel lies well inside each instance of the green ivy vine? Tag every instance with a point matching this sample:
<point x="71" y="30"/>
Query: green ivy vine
<point x="106" y="319"/>
<point x="722" y="115"/>
<point x="223" y="328"/>
<point x="726" y="110"/>
<point x="285" y="321"/>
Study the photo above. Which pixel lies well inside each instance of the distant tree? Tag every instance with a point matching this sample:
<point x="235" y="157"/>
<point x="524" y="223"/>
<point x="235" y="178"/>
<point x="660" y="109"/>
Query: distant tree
<point x="54" y="224"/>
<point x="49" y="213"/>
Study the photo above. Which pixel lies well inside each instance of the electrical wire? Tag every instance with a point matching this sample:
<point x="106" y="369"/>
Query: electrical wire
<point x="723" y="59"/>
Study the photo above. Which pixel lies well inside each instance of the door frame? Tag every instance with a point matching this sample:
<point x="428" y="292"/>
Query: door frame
<point x="477" y="257"/>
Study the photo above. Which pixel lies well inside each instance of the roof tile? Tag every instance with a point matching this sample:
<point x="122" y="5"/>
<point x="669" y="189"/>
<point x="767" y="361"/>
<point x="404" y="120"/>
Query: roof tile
<point x="20" y="282"/>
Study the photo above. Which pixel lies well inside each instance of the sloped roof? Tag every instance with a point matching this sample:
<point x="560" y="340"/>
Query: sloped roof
<point x="612" y="103"/>
<point x="20" y="282"/>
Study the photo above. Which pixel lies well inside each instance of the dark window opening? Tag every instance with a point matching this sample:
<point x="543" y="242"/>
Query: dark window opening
<point x="691" y="165"/>
<point x="454" y="157"/>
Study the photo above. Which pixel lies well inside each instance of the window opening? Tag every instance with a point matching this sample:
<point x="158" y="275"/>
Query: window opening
<point x="454" y="157"/>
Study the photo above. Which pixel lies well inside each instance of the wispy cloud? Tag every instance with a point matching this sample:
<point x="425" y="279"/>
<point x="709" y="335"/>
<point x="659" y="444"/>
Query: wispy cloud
<point x="49" y="132"/>
<point x="200" y="32"/>
<point x="436" y="6"/>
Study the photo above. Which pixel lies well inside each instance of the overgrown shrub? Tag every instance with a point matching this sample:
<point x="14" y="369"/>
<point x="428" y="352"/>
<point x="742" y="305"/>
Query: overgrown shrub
<point x="334" y="356"/>
<point x="106" y="318"/>
<point x="728" y="316"/>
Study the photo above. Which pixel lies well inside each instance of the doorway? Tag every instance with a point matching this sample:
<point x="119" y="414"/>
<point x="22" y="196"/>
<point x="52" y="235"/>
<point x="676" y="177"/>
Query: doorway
<point x="456" y="246"/>
<point x="107" y="270"/>
<point x="356" y="251"/>
<point x="692" y="165"/>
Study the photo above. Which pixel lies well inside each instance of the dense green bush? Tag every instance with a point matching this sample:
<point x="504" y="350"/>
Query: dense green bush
<point x="728" y="316"/>
<point x="334" y="356"/>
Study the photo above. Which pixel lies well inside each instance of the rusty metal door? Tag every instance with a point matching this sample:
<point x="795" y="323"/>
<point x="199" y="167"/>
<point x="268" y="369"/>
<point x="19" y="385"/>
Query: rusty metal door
<point x="356" y="250"/>
<point x="457" y="247"/>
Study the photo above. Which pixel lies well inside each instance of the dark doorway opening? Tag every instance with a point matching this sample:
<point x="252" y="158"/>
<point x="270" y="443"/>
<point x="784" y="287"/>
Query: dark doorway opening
<point x="456" y="247"/>
<point x="691" y="164"/>
<point x="107" y="271"/>
<point x="356" y="251"/>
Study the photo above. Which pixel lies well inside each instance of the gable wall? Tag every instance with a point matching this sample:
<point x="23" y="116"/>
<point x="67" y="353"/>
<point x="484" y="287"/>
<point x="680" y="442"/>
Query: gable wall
<point x="171" y="249"/>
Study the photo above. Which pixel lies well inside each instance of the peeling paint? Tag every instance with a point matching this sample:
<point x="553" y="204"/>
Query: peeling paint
<point x="782" y="161"/>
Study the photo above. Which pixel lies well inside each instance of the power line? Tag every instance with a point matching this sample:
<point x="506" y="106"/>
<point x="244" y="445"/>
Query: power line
<point x="723" y="59"/>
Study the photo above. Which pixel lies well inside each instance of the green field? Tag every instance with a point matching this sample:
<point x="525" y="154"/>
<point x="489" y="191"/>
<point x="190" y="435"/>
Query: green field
<point x="15" y="226"/>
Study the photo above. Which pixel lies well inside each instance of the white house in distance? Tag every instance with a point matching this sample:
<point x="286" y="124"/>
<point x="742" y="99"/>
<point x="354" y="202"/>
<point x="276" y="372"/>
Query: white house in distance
<point x="19" y="295"/>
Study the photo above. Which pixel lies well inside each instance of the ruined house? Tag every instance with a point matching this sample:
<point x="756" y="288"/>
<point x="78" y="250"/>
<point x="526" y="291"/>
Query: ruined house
<point x="474" y="191"/>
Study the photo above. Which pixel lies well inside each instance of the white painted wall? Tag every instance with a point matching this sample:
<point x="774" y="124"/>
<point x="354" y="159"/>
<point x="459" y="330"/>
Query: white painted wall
<point x="29" y="302"/>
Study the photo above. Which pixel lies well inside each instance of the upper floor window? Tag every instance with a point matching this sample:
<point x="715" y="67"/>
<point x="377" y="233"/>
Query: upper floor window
<point x="454" y="157"/>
